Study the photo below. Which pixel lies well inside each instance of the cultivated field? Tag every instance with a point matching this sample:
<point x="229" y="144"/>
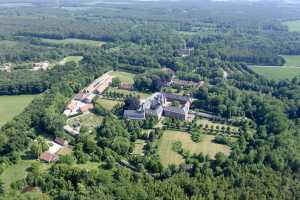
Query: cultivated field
<point x="11" y="106"/>
<point x="73" y="41"/>
<point x="277" y="72"/>
<point x="108" y="104"/>
<point x="125" y="77"/>
<point x="293" y="26"/>
<point x="206" y="146"/>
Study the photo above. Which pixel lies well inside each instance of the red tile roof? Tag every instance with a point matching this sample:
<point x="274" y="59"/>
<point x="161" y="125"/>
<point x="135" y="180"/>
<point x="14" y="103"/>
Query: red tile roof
<point x="48" y="157"/>
<point x="60" y="141"/>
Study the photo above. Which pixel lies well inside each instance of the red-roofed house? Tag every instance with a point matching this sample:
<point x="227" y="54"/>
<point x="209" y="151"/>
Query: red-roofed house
<point x="48" y="157"/>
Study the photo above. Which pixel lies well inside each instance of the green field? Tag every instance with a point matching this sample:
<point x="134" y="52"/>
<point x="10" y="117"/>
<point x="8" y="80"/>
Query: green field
<point x="125" y="77"/>
<point x="76" y="59"/>
<point x="293" y="26"/>
<point x="277" y="73"/>
<point x="291" y="61"/>
<point x="108" y="104"/>
<point x="67" y="41"/>
<point x="206" y="146"/>
<point x="11" y="106"/>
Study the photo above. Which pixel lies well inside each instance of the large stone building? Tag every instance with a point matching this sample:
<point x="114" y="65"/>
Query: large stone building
<point x="161" y="104"/>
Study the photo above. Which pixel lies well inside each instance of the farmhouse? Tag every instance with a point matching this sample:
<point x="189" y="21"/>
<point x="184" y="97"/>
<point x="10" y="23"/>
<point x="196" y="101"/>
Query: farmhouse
<point x="48" y="157"/>
<point x="61" y="141"/>
<point x="185" y="52"/>
<point x="158" y="105"/>
<point x="5" y="67"/>
<point x="86" y="108"/>
<point x="72" y="130"/>
<point x="40" y="66"/>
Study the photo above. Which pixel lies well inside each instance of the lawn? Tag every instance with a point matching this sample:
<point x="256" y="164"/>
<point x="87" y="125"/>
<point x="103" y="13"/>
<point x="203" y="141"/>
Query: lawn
<point x="139" y="147"/>
<point x="277" y="72"/>
<point x="292" y="61"/>
<point x="11" y="106"/>
<point x="89" y="120"/>
<point x="206" y="146"/>
<point x="108" y="104"/>
<point x="125" y="77"/>
<point x="76" y="59"/>
<point x="18" y="171"/>
<point x="142" y="95"/>
<point x="293" y="26"/>
<point x="74" y="41"/>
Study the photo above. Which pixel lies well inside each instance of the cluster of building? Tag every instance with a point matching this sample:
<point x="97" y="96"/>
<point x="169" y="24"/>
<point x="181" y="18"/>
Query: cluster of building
<point x="52" y="154"/>
<point x="6" y="67"/>
<point x="161" y="104"/>
<point x="44" y="66"/>
<point x="82" y="102"/>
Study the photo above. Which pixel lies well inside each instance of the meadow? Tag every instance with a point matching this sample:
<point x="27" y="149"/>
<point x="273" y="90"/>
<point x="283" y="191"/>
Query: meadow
<point x="293" y="26"/>
<point x="74" y="41"/>
<point x="206" y="146"/>
<point x="291" y="61"/>
<point x="11" y="106"/>
<point x="276" y="72"/>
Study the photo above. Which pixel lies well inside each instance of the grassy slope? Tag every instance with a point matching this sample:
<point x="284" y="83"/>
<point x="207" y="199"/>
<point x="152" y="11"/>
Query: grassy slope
<point x="12" y="106"/>
<point x="206" y="146"/>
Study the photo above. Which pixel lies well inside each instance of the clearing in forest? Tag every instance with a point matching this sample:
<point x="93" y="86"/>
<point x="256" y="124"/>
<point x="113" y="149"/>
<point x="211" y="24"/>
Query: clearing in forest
<point x="11" y="106"/>
<point x="206" y="146"/>
<point x="293" y="26"/>
<point x="76" y="59"/>
<point x="73" y="41"/>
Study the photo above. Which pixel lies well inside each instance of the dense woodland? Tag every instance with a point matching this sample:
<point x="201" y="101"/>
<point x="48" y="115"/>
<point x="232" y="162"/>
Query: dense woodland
<point x="143" y="38"/>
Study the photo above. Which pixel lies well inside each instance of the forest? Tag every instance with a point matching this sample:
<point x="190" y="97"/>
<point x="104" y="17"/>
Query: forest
<point x="145" y="39"/>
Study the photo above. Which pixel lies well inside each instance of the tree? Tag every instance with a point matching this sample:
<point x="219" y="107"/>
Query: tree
<point x="39" y="145"/>
<point x="132" y="103"/>
<point x="116" y="82"/>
